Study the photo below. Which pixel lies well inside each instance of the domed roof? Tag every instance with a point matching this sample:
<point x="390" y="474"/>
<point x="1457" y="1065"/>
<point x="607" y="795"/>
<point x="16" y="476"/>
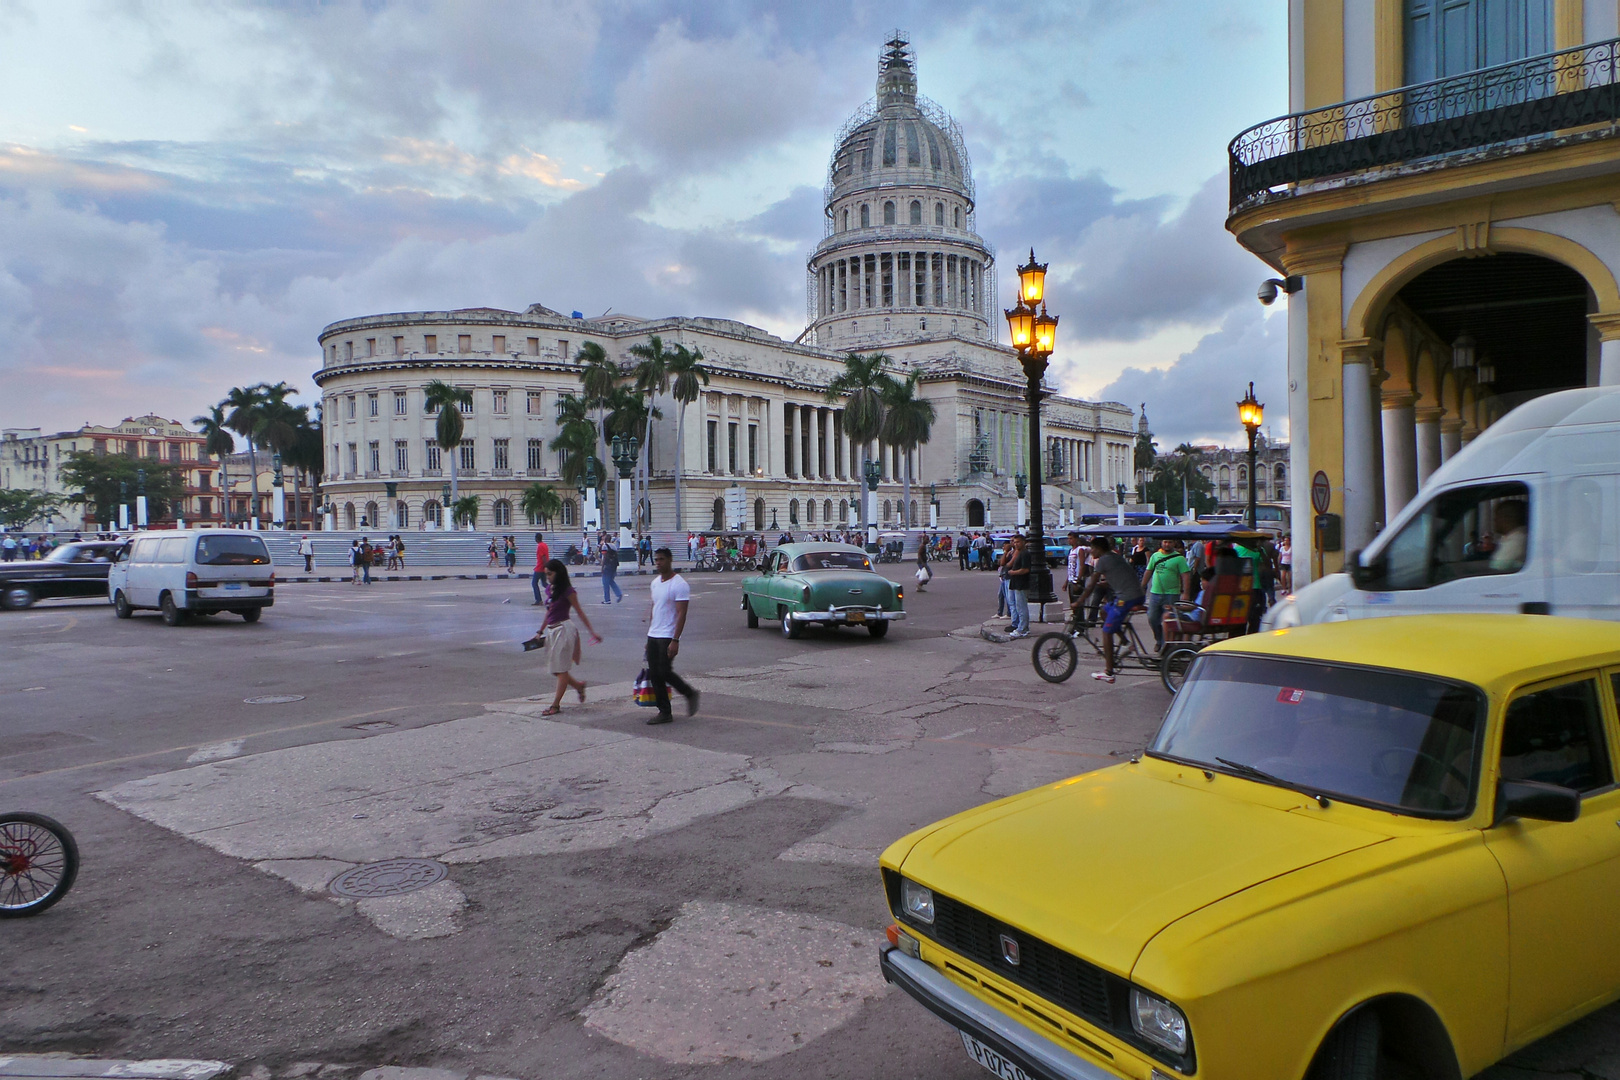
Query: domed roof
<point x="899" y="136"/>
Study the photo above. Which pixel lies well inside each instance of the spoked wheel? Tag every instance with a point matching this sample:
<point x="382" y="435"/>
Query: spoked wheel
<point x="1055" y="657"/>
<point x="1174" y="664"/>
<point x="38" y="862"/>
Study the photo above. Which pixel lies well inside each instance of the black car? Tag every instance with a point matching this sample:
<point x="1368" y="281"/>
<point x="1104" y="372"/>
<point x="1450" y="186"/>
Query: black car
<point x="71" y="570"/>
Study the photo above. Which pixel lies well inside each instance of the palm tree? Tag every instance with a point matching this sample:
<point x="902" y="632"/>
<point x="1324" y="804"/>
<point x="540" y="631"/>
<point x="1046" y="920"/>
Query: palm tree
<point x="687" y="377"/>
<point x="576" y="440"/>
<point x="907" y="423"/>
<point x="540" y="503"/>
<point x="279" y="421"/>
<point x="863" y="383"/>
<point x="243" y="403"/>
<point x="465" y="509"/>
<point x="447" y="431"/>
<point x="599" y="377"/>
<point x="305" y="455"/>
<point x="651" y="375"/>
<point x="217" y="440"/>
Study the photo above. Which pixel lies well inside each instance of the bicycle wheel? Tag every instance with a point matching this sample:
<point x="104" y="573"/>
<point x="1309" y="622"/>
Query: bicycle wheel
<point x="1174" y="664"/>
<point x="1055" y="657"/>
<point x="38" y="862"/>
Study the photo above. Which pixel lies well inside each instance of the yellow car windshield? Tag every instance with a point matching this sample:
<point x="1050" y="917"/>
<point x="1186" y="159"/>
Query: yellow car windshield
<point x="1382" y="738"/>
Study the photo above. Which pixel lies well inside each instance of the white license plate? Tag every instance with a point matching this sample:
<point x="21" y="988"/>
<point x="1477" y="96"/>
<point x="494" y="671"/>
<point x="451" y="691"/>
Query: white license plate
<point x="857" y="616"/>
<point x="991" y="1060"/>
<point x="232" y="586"/>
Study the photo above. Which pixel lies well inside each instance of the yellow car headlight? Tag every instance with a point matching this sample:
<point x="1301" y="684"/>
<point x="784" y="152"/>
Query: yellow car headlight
<point x="1158" y="1021"/>
<point x="917" y="901"/>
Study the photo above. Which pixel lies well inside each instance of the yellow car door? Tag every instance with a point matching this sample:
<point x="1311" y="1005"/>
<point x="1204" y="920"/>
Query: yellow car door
<point x="1563" y="878"/>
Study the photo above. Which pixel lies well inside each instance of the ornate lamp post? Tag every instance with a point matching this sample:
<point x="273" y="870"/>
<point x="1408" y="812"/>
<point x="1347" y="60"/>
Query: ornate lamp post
<point x="623" y="451"/>
<point x="874" y="471"/>
<point x="1034" y="335"/>
<point x="1251" y="413"/>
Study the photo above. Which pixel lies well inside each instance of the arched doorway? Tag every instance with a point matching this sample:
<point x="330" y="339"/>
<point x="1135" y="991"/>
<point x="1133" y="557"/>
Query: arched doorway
<point x="349" y="520"/>
<point x="975" y="514"/>
<point x="719" y="521"/>
<point x="430" y="513"/>
<point x="759" y="513"/>
<point x="503" y="513"/>
<point x="370" y="520"/>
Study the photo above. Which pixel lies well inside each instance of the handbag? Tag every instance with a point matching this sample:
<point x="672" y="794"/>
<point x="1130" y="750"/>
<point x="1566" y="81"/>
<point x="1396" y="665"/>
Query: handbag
<point x="642" y="693"/>
<point x="536" y="642"/>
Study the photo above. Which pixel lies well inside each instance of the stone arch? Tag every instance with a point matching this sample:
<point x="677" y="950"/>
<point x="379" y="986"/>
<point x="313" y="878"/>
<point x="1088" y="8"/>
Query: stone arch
<point x="975" y="513"/>
<point x="1367" y="310"/>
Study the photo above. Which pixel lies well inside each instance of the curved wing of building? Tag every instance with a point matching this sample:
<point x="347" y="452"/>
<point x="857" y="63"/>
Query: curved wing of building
<point x="763" y="445"/>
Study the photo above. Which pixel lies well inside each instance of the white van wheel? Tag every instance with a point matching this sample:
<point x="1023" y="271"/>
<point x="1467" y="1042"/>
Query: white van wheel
<point x="121" y="606"/>
<point x="172" y="615"/>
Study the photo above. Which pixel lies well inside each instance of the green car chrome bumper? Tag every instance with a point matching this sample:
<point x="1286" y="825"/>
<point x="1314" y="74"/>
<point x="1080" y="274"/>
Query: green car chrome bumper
<point x="844" y="615"/>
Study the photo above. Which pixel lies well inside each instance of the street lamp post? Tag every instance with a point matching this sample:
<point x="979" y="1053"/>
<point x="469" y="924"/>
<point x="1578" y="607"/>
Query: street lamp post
<point x="874" y="471"/>
<point x="1034" y="335"/>
<point x="1251" y="413"/>
<point x="623" y="451"/>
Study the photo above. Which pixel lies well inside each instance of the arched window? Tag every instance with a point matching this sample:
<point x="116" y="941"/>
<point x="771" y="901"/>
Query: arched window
<point x="369" y="519"/>
<point x="866" y="215"/>
<point x="846" y="221"/>
<point x="759" y="513"/>
<point x="888" y="510"/>
<point x="348" y="516"/>
<point x="922" y="323"/>
<point x="913" y="513"/>
<point x="1282" y="480"/>
<point x="916" y="212"/>
<point x="719" y="521"/>
<point x="1243" y="474"/>
<point x="569" y="512"/>
<point x="793" y="511"/>
<point x="975" y="513"/>
<point x="888" y="213"/>
<point x="826" y="511"/>
<point x="843" y="512"/>
<point x="957" y="216"/>
<point x="503" y="513"/>
<point x="809" y="511"/>
<point x="430" y="512"/>
<point x="939" y="213"/>
<point x="402" y="515"/>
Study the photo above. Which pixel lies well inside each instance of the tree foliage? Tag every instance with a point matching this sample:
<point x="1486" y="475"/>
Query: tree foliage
<point x="20" y="508"/>
<point x="1176" y="473"/>
<point x="541" y="503"/>
<point x="101" y="481"/>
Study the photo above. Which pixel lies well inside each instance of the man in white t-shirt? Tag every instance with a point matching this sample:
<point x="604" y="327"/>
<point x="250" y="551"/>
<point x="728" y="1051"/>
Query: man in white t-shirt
<point x="670" y="597"/>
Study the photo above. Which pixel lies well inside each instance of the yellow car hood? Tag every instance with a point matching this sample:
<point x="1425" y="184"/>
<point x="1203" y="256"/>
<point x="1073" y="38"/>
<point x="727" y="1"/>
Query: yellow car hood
<point x="1099" y="864"/>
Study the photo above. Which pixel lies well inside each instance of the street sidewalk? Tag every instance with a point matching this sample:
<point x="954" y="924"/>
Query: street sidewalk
<point x="58" y="1067"/>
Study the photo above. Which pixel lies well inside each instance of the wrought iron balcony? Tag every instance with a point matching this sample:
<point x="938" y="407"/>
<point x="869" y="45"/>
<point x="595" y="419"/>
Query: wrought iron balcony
<point x="1539" y="96"/>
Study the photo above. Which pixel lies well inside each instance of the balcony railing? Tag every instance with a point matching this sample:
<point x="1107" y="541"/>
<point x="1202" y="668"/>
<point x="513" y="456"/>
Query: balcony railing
<point x="1539" y="95"/>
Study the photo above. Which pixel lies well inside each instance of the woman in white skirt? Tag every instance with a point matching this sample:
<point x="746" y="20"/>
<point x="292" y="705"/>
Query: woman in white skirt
<point x="562" y="637"/>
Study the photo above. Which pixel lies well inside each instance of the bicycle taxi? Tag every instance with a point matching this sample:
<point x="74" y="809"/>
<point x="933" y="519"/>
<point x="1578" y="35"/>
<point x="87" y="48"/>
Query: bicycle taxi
<point x="1221" y="610"/>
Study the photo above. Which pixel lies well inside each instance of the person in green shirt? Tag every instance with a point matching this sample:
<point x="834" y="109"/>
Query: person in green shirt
<point x="1167" y="578"/>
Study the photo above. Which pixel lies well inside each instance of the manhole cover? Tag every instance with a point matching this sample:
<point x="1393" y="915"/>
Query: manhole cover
<point x="391" y="877"/>
<point x="273" y="699"/>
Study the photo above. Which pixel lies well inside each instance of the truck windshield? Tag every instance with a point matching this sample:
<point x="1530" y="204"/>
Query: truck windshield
<point x="832" y="560"/>
<point x="1401" y="742"/>
<point x="232" y="551"/>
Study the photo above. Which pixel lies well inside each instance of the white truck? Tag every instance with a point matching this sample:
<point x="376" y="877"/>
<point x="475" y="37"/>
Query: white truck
<point x="1525" y="519"/>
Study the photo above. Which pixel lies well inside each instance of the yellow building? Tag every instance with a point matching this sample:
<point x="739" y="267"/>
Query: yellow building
<point x="1443" y="207"/>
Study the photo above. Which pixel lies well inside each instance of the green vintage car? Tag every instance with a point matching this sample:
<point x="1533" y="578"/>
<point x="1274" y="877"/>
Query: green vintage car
<point x="821" y="585"/>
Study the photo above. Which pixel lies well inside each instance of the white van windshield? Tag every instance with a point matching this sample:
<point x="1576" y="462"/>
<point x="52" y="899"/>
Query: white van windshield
<point x="1465" y="532"/>
<point x="222" y="550"/>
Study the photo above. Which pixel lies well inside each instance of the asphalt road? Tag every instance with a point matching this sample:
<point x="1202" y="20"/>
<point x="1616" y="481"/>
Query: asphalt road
<point x="623" y="901"/>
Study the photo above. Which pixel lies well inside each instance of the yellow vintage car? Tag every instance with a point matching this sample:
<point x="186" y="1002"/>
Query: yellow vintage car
<point x="1359" y="851"/>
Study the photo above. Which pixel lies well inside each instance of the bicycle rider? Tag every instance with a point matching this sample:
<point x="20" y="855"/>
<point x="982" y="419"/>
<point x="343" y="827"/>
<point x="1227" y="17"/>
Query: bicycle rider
<point x="1114" y="570"/>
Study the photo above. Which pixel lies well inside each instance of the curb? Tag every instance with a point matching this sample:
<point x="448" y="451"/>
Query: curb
<point x="48" y="1067"/>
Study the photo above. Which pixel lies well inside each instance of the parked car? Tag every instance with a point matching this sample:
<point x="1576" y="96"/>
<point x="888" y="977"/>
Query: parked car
<point x="1385" y="848"/>
<point x="1525" y="518"/>
<point x="78" y="569"/>
<point x="821" y="584"/>
<point x="189" y="572"/>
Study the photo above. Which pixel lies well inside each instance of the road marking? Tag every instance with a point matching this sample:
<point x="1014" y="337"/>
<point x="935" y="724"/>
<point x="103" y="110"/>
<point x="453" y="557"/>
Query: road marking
<point x="216" y="751"/>
<point x="958" y="734"/>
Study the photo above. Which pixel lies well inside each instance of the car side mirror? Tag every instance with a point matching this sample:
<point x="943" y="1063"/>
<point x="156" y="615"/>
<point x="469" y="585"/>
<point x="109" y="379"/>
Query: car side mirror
<point x="1536" y="801"/>
<point x="1366" y="575"/>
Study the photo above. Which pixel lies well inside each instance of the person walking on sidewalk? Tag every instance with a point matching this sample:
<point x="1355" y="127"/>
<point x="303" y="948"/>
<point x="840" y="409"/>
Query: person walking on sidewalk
<point x="306" y="548"/>
<point x="1018" y="574"/>
<point x="670" y="598"/>
<point x="363" y="558"/>
<point x="562" y="638"/>
<point x="542" y="555"/>
<point x="354" y="562"/>
<point x="610" y="571"/>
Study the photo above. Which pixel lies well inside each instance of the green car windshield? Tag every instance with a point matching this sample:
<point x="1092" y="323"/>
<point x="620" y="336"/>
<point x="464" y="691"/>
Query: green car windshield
<point x="1381" y="738"/>
<point x="832" y="560"/>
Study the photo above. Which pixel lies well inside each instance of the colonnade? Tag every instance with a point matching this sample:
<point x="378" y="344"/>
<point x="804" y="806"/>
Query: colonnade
<point x="1075" y="456"/>
<point x="885" y="280"/>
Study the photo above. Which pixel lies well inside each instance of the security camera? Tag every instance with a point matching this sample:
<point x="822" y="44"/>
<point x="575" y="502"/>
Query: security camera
<point x="1269" y="288"/>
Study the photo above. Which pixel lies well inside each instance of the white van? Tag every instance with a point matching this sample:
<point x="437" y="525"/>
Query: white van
<point x="193" y="571"/>
<point x="1525" y="519"/>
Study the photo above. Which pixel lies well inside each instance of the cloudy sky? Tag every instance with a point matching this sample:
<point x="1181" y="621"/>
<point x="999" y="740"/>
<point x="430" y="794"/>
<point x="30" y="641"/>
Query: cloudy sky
<point x="189" y="191"/>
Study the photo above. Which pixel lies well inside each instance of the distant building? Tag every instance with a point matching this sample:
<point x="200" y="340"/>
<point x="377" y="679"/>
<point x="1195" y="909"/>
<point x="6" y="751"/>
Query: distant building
<point x="31" y="460"/>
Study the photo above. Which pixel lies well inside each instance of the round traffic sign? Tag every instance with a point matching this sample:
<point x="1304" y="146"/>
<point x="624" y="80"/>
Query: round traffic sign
<point x="1321" y="492"/>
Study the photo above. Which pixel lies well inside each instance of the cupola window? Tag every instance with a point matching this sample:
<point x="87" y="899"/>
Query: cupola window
<point x="957" y="215"/>
<point x="913" y="148"/>
<point x="888" y="213"/>
<point x="866" y="216"/>
<point x="916" y="212"/>
<point x="846" y="221"/>
<point x="939" y="213"/>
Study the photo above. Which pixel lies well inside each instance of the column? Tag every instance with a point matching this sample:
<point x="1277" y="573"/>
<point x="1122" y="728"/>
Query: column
<point x="1361" y="510"/>
<point x="1450" y="438"/>
<point x="1428" y="441"/>
<point x="791" y="461"/>
<point x="813" y="466"/>
<point x="1400" y="451"/>
<point x="1303" y="539"/>
<point x="1608" y="328"/>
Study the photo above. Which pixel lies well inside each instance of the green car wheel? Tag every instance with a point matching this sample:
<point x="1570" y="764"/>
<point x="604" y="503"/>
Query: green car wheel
<point x="790" y="629"/>
<point x="753" y="619"/>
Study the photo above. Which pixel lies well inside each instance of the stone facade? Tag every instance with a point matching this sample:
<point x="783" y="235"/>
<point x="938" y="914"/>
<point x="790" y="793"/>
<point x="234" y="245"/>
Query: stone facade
<point x="764" y="423"/>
